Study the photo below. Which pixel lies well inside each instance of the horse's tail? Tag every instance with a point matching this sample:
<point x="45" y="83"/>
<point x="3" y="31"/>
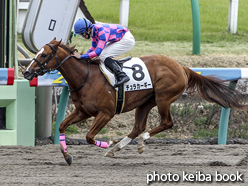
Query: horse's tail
<point x="214" y="90"/>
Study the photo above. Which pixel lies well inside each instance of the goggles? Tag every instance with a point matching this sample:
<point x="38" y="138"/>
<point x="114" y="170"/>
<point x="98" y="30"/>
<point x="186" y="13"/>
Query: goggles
<point x="85" y="34"/>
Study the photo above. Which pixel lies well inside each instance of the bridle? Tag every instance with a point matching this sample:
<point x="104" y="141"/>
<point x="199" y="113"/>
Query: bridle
<point x="43" y="70"/>
<point x="42" y="66"/>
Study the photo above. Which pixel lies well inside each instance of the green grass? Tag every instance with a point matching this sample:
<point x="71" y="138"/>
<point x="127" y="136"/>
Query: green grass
<point x="160" y="135"/>
<point x="72" y="129"/>
<point x="106" y="136"/>
<point x="201" y="121"/>
<point x="119" y="133"/>
<point x="165" y="26"/>
<point x="203" y="133"/>
<point x="170" y="20"/>
<point x="103" y="131"/>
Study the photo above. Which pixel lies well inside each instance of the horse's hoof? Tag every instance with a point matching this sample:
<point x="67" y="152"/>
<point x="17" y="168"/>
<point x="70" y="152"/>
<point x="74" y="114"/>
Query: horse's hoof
<point x="109" y="154"/>
<point x="113" y="142"/>
<point x="140" y="150"/>
<point x="69" y="160"/>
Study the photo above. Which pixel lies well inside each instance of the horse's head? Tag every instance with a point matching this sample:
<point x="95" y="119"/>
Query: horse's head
<point x="45" y="59"/>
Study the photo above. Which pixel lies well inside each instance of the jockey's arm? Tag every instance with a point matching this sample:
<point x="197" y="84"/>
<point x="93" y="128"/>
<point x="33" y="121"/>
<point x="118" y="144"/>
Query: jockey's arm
<point x="97" y="45"/>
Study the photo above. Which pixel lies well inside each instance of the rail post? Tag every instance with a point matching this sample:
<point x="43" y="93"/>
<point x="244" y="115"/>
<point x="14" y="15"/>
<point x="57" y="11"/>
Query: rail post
<point x="224" y="118"/>
<point x="196" y="27"/>
<point x="61" y="113"/>
<point x="233" y="16"/>
<point x="43" y="110"/>
<point x="124" y="12"/>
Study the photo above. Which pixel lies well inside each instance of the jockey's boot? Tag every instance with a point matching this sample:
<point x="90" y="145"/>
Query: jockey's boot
<point x="121" y="76"/>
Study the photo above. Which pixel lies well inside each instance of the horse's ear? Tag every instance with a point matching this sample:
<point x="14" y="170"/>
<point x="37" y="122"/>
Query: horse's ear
<point x="73" y="48"/>
<point x="58" y="43"/>
<point x="54" y="39"/>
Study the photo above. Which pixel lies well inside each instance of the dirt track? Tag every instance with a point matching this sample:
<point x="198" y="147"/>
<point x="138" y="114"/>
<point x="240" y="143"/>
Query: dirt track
<point x="44" y="165"/>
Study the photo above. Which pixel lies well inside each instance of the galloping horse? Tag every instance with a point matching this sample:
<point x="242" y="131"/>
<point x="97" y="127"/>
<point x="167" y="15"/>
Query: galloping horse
<point x="93" y="95"/>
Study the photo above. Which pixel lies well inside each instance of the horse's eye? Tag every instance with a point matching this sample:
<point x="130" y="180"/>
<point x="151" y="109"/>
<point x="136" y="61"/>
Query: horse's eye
<point x="43" y="55"/>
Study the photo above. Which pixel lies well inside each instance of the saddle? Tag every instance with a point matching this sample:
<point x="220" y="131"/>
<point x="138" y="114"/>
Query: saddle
<point x="137" y="72"/>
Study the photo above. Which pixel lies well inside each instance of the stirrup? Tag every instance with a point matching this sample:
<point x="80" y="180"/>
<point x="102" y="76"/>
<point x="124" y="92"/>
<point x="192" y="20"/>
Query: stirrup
<point x="122" y="81"/>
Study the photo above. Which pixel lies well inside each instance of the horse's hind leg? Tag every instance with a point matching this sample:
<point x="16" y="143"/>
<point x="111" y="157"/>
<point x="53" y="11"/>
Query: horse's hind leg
<point x="141" y="114"/>
<point x="166" y="123"/>
<point x="74" y="117"/>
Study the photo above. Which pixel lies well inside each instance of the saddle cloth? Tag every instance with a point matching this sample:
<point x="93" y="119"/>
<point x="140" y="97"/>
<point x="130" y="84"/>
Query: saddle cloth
<point x="136" y="70"/>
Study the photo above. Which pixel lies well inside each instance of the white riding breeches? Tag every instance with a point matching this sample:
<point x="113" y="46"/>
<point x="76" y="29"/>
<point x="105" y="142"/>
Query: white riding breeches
<point x="117" y="48"/>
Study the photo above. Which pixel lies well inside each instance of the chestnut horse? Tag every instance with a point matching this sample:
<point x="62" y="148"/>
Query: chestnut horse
<point x="94" y="96"/>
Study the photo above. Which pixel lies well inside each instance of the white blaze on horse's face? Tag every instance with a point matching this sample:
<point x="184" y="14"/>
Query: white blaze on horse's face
<point x="40" y="52"/>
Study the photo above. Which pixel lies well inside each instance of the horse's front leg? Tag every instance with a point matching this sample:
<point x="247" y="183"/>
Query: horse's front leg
<point x="73" y="118"/>
<point x="100" y="121"/>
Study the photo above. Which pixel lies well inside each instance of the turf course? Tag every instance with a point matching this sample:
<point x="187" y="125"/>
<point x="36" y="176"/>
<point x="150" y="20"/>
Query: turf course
<point x="171" y="20"/>
<point x="165" y="26"/>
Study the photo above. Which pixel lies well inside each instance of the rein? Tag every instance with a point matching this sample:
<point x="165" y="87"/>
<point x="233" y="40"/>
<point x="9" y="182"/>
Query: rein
<point x="42" y="66"/>
<point x="77" y="89"/>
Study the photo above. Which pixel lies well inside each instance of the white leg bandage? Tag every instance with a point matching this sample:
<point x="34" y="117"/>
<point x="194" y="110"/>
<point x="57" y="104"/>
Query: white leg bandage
<point x="124" y="142"/>
<point x="145" y="136"/>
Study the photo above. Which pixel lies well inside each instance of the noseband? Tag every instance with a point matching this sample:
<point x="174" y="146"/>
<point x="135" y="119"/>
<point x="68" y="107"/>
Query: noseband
<point x="43" y="70"/>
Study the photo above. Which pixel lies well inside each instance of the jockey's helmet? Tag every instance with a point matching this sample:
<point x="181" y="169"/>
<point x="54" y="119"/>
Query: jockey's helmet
<point x="82" y="25"/>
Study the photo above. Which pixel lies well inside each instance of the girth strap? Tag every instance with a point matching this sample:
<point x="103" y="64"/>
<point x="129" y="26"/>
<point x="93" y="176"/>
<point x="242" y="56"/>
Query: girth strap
<point x="120" y="99"/>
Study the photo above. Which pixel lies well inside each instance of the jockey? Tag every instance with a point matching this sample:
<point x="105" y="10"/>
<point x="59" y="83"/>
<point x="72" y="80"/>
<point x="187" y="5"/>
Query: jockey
<point x="108" y="41"/>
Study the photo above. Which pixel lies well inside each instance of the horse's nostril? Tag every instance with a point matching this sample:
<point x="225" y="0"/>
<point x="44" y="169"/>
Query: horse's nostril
<point x="24" y="72"/>
<point x="27" y="75"/>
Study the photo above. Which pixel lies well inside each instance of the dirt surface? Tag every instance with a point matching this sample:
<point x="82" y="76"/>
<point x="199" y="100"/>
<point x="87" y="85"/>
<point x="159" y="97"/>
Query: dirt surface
<point x="44" y="165"/>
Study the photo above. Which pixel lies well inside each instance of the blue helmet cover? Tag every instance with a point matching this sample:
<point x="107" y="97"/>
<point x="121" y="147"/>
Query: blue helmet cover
<point x="81" y="26"/>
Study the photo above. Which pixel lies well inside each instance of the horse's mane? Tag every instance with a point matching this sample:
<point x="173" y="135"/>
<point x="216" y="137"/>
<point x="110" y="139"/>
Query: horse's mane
<point x="67" y="48"/>
<point x="95" y="61"/>
<point x="72" y="49"/>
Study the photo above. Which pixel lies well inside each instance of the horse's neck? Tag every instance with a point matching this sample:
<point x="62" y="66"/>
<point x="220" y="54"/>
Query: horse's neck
<point x="73" y="71"/>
